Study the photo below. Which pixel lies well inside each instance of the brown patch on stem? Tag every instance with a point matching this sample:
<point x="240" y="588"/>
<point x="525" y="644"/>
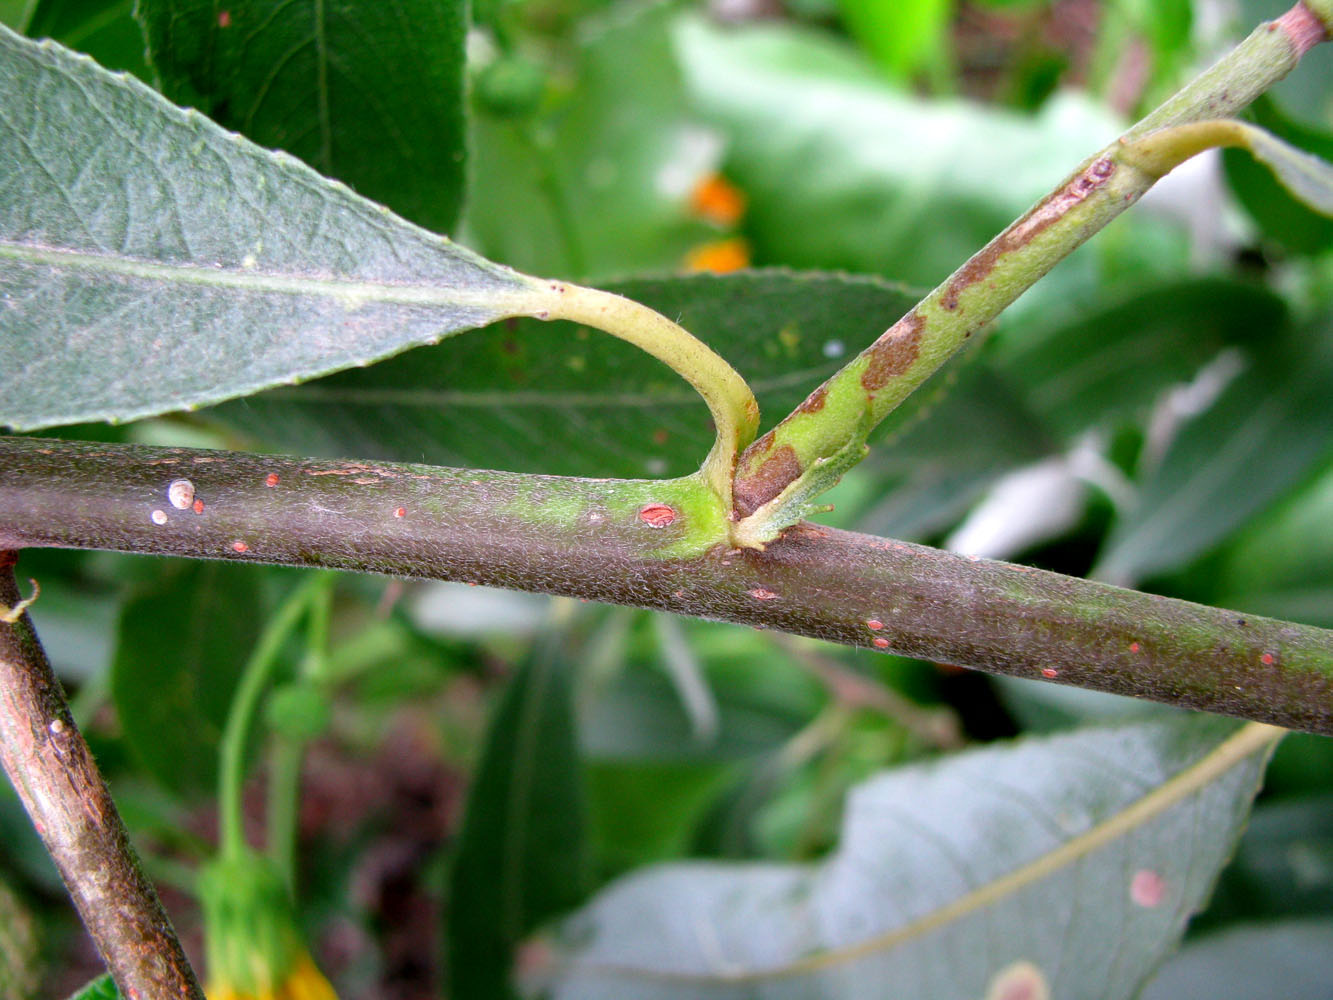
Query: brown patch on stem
<point x="814" y="402"/>
<point x="777" y="471"/>
<point x="894" y="352"/>
<point x="1042" y="216"/>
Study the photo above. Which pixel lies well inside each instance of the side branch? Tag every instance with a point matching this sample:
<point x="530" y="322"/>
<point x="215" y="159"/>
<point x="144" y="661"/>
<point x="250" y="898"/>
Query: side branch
<point x="611" y="541"/>
<point x="784" y="470"/>
<point x="53" y="772"/>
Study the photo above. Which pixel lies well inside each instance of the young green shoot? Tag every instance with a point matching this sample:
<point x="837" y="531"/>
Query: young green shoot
<point x="785" y="470"/>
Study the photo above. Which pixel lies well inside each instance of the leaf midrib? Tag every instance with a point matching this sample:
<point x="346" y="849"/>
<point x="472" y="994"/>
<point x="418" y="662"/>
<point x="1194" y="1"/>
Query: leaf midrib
<point x="350" y="292"/>
<point x="1249" y="740"/>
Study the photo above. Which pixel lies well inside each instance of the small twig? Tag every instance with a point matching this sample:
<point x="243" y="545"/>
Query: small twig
<point x="53" y="772"/>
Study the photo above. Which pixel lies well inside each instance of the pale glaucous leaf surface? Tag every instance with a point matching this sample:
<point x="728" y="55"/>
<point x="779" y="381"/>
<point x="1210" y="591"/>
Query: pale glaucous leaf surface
<point x="151" y="261"/>
<point x="1078" y="856"/>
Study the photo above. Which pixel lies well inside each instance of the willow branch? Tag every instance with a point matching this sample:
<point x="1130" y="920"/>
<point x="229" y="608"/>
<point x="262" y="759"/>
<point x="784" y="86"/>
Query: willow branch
<point x="613" y="541"/>
<point x="53" y="772"/>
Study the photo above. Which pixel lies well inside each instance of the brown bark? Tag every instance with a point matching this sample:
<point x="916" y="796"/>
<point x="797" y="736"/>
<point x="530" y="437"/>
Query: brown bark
<point x="53" y="772"/>
<point x="582" y="538"/>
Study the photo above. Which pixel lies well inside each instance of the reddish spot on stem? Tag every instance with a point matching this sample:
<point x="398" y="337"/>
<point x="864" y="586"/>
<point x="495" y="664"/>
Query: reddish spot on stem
<point x="762" y="594"/>
<point x="657" y="515"/>
<point x="400" y="512"/>
<point x="1134" y="647"/>
<point x="271" y="479"/>
<point x="660" y="436"/>
<point x="1020" y="981"/>
<point x="771" y="478"/>
<point x="239" y="546"/>
<point x="224" y="19"/>
<point x="814" y="402"/>
<point x="881" y="642"/>
<point x="197" y="507"/>
<point x="1147" y="888"/>
<point x="893" y="353"/>
<point x="1268" y="659"/>
<point x="874" y="624"/>
<point x="1050" y="673"/>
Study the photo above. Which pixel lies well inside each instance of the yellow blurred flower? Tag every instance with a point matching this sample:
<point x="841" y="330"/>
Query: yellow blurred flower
<point x="253" y="945"/>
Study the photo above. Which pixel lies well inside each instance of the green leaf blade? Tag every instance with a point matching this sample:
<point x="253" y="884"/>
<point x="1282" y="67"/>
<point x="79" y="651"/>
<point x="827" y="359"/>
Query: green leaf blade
<point x="522" y="853"/>
<point x="370" y="93"/>
<point x="181" y="648"/>
<point x="101" y="988"/>
<point x="1082" y="855"/>
<point x="150" y="261"/>
<point x="1247" y="450"/>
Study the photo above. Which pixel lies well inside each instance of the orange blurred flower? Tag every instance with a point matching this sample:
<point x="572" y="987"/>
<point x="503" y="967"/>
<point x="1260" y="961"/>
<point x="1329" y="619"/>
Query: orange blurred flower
<point x="719" y="256"/>
<point x="716" y="200"/>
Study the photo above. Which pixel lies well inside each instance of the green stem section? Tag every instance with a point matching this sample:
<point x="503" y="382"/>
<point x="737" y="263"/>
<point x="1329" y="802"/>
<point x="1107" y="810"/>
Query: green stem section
<point x="629" y="542"/>
<point x="245" y="702"/>
<point x="281" y="815"/>
<point x="783" y="471"/>
<point x="286" y="753"/>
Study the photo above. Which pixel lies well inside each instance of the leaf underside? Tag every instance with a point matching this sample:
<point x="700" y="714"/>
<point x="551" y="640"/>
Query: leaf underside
<point x="1078" y="858"/>
<point x="151" y="261"/>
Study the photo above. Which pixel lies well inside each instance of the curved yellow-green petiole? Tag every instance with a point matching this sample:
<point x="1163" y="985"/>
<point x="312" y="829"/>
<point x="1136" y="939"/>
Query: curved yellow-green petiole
<point x="728" y="397"/>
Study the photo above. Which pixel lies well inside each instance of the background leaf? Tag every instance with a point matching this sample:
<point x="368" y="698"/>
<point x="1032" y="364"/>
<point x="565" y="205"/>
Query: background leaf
<point x="104" y="29"/>
<point x="20" y="946"/>
<point x="1285" y="563"/>
<point x="1261" y="437"/>
<point x="181" y="646"/>
<point x="1114" y="361"/>
<point x="901" y="35"/>
<point x="150" y="261"/>
<point x="597" y="407"/>
<point x="522" y="852"/>
<point x="1056" y="853"/>
<point x="369" y="92"/>
<point x="842" y="171"/>
<point x="101" y="988"/>
<point x="599" y="183"/>
<point x="1292" y="956"/>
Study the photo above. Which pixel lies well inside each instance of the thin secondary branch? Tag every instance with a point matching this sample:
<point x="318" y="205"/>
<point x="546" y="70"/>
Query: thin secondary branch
<point x="612" y="541"/>
<point x="800" y="458"/>
<point x="53" y="772"/>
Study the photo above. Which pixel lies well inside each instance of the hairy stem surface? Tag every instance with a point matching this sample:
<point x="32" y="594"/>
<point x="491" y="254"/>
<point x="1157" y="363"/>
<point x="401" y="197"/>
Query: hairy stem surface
<point x="612" y="541"/>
